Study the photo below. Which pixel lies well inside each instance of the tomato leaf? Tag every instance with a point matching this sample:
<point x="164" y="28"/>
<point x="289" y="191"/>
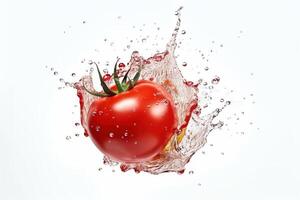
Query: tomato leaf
<point x="137" y="76"/>
<point x="104" y="86"/>
<point x="116" y="78"/>
<point x="98" y="94"/>
<point x="125" y="77"/>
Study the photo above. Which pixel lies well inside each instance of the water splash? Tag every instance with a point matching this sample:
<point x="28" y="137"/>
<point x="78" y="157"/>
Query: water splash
<point x="193" y="128"/>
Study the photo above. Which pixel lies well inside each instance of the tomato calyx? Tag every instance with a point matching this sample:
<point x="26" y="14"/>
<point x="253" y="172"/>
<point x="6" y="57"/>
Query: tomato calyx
<point x="121" y="86"/>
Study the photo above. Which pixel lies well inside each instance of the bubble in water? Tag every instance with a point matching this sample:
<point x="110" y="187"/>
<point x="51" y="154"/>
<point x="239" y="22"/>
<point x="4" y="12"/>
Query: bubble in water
<point x="73" y="74"/>
<point x="61" y="80"/>
<point x="206" y="68"/>
<point x="183" y="32"/>
<point x="215" y="80"/>
<point x="191" y="172"/>
<point x="184" y="64"/>
<point x="221" y="100"/>
<point x="55" y="73"/>
<point x="77" y="134"/>
<point x="228" y="102"/>
<point x="77" y="124"/>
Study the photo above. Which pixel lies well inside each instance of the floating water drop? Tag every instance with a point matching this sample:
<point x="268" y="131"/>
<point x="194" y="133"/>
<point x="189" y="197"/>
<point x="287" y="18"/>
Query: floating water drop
<point x="68" y="137"/>
<point x="215" y="80"/>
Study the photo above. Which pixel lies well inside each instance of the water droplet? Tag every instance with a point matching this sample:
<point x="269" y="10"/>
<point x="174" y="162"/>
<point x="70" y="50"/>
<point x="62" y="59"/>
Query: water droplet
<point x="77" y="124"/>
<point x="61" y="80"/>
<point x="55" y="73"/>
<point x="184" y="64"/>
<point x="100" y="112"/>
<point x="90" y="62"/>
<point x="111" y="135"/>
<point x="134" y="124"/>
<point x="121" y="65"/>
<point x="68" y="137"/>
<point x="135" y="142"/>
<point x="126" y="134"/>
<point x="128" y="46"/>
<point x="83" y="22"/>
<point x="97" y="128"/>
<point x="228" y="102"/>
<point x="77" y="134"/>
<point x="99" y="169"/>
<point x="106" y="77"/>
<point x="117" y="126"/>
<point x="221" y="100"/>
<point x="191" y="172"/>
<point x="183" y="32"/>
<point x="52" y="69"/>
<point x="94" y="113"/>
<point x="73" y="74"/>
<point x="206" y="68"/>
<point x="215" y="80"/>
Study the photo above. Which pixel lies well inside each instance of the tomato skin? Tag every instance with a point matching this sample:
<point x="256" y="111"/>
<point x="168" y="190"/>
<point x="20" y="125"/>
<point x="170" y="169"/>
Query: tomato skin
<point x="133" y="126"/>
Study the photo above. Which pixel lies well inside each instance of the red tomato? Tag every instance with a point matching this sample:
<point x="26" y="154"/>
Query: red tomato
<point x="135" y="125"/>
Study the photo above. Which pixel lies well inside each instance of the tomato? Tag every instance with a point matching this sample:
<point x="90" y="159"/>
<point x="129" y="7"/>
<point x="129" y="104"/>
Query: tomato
<point x="135" y="125"/>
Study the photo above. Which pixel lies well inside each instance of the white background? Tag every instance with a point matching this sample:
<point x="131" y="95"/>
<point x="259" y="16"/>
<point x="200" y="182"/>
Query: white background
<point x="37" y="162"/>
